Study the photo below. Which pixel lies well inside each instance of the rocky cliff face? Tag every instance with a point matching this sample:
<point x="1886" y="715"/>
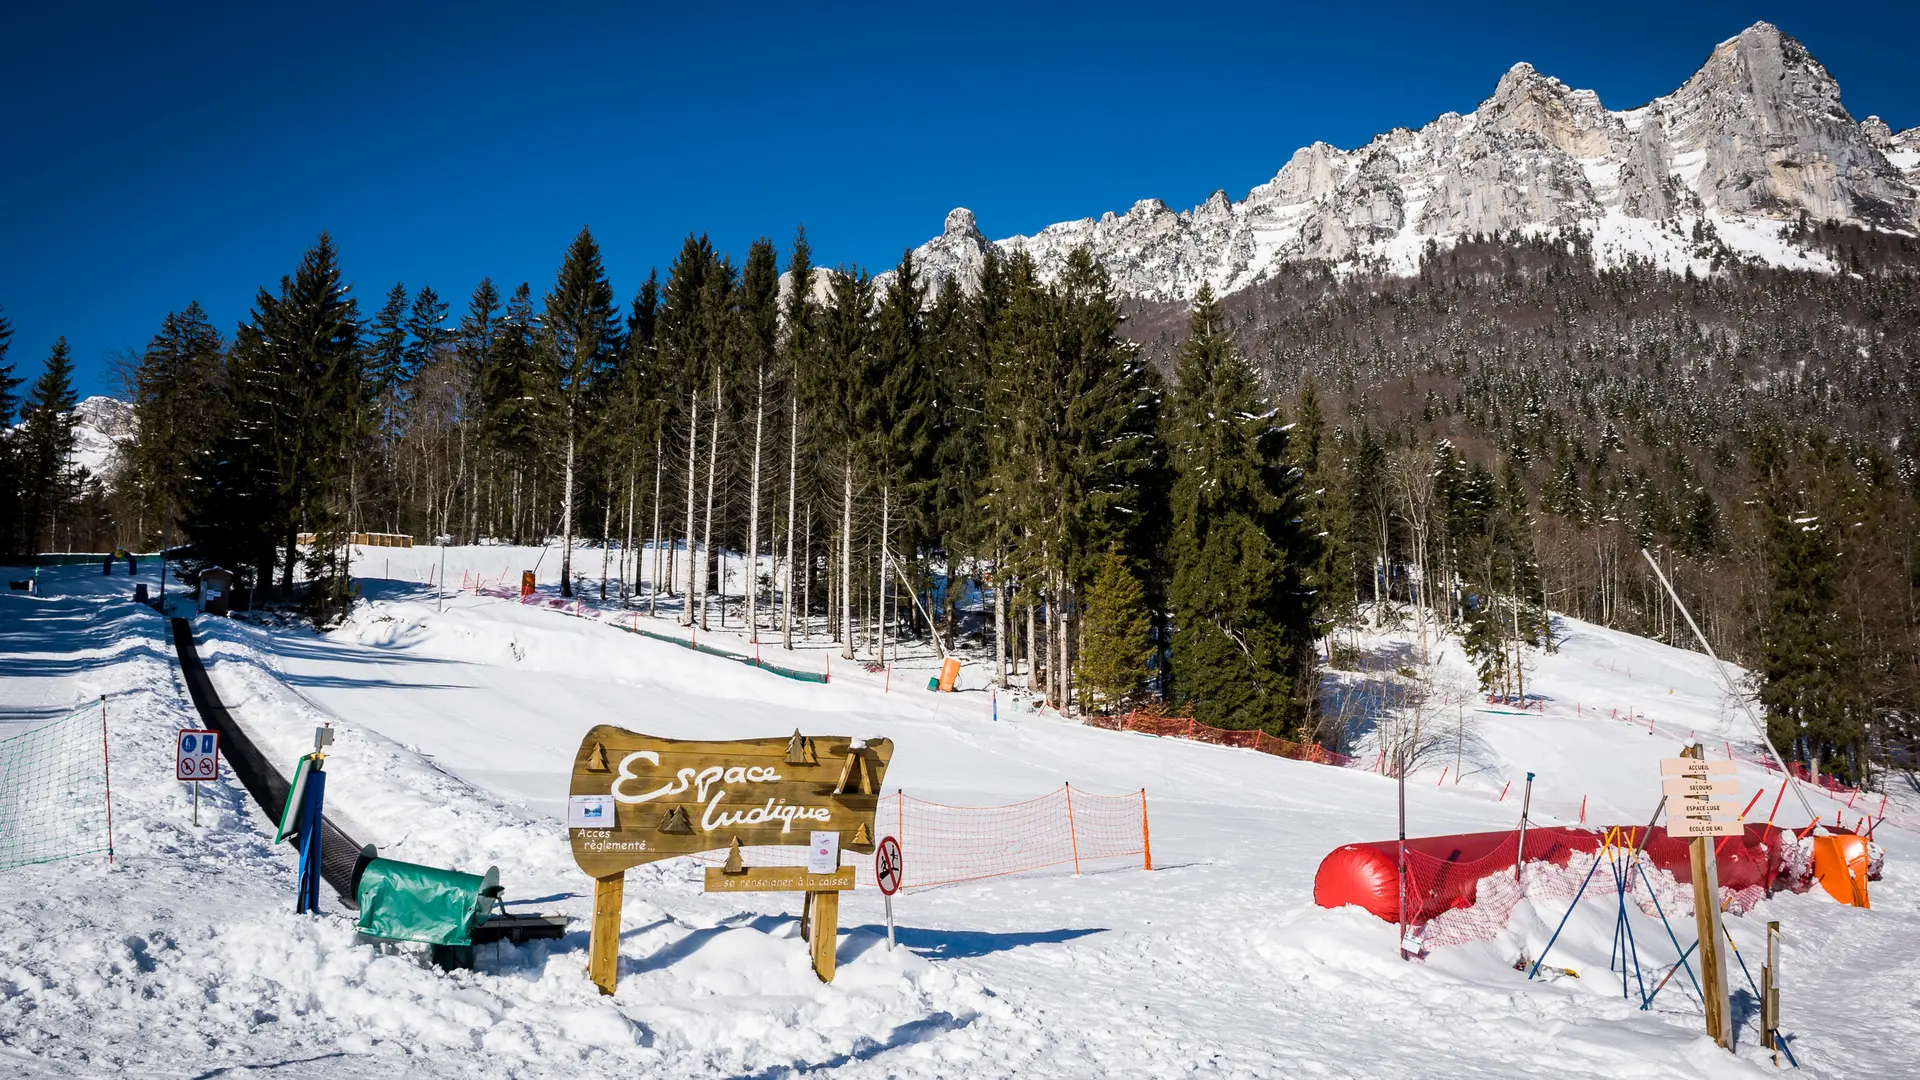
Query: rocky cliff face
<point x="1753" y="140"/>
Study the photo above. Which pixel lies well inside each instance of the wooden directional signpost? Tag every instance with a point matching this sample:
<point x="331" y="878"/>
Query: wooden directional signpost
<point x="1697" y="811"/>
<point x="636" y="799"/>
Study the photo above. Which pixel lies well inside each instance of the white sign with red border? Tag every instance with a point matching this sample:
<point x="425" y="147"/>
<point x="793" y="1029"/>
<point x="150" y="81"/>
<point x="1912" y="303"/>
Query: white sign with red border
<point x="888" y="868"/>
<point x="197" y="755"/>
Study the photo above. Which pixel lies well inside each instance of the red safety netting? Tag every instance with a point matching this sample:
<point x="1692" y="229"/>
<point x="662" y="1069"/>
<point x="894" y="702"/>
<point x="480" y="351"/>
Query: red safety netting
<point x="1463" y="888"/>
<point x="942" y="844"/>
<point x="1153" y="722"/>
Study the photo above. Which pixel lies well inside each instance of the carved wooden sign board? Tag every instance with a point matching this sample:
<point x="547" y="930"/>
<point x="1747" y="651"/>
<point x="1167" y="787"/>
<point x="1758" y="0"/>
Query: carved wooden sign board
<point x="668" y="797"/>
<point x="636" y="799"/>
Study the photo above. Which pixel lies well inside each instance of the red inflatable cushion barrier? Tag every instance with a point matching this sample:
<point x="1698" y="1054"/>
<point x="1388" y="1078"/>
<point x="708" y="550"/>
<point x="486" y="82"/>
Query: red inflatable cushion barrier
<point x="1445" y="871"/>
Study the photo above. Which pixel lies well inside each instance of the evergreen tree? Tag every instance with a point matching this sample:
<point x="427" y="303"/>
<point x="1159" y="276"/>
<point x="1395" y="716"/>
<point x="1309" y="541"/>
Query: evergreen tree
<point x="427" y="332"/>
<point x="1329" y="517"/>
<point x="296" y="395"/>
<point x="581" y="335"/>
<point x="386" y="364"/>
<point x="796" y="355"/>
<point x="1808" y="684"/>
<point x="45" y="449"/>
<point x="1115" y="634"/>
<point x="839" y="405"/>
<point x="1243" y="619"/>
<point x="760" y="342"/>
<point x="10" y="508"/>
<point x="176" y="404"/>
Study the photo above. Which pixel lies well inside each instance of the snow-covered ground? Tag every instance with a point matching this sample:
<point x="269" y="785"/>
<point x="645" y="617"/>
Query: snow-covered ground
<point x="455" y="731"/>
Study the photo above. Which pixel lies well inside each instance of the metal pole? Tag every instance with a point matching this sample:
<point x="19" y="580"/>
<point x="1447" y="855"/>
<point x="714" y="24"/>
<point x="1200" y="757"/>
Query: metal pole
<point x="106" y="768"/>
<point x="1520" y="853"/>
<point x="443" y="577"/>
<point x="1765" y="739"/>
<point x="1400" y="766"/>
<point x="889" y="899"/>
<point x="196" y="804"/>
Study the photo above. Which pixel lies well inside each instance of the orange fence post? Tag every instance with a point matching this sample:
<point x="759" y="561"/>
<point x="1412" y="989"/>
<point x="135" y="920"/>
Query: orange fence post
<point x="1146" y="840"/>
<point x="1071" y="835"/>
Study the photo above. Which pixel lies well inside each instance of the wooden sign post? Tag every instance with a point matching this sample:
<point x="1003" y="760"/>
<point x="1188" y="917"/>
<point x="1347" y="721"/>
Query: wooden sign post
<point x="1690" y="789"/>
<point x="1770" y="994"/>
<point x="636" y="799"/>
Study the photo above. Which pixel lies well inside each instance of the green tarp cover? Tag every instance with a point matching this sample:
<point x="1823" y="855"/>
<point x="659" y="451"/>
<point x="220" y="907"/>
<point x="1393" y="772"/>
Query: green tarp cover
<point x="407" y="902"/>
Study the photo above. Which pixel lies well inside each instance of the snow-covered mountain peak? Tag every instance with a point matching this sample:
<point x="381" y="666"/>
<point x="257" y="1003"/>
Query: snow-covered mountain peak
<point x="102" y="425"/>
<point x="1752" y="141"/>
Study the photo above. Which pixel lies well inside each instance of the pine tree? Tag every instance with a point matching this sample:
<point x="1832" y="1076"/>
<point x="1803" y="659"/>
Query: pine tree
<point x="796" y="355"/>
<point x="10" y="507"/>
<point x="176" y="394"/>
<point x="45" y="448"/>
<point x="427" y="332"/>
<point x="1329" y="517"/>
<point x="386" y="364"/>
<point x="296" y="392"/>
<point x="1808" y="677"/>
<point x="1243" y="619"/>
<point x="581" y="335"/>
<point x="840" y="406"/>
<point x="1115" y="635"/>
<point x="894" y="436"/>
<point x="760" y="340"/>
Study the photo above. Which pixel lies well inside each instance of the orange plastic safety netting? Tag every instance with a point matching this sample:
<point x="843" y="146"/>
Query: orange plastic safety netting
<point x="1069" y="828"/>
<point x="1152" y="722"/>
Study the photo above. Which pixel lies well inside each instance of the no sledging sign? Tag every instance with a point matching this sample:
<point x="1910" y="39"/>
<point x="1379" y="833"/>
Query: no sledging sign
<point x="887" y="866"/>
<point x="197" y="755"/>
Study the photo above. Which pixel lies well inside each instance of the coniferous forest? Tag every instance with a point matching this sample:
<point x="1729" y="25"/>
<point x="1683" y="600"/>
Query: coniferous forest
<point x="1114" y="503"/>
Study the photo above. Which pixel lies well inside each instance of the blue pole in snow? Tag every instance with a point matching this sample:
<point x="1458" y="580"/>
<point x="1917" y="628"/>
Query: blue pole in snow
<point x="1563" y="919"/>
<point x="307" y="890"/>
<point x="1670" y="934"/>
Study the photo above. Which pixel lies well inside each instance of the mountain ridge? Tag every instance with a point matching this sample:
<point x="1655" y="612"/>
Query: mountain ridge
<point x="1717" y="170"/>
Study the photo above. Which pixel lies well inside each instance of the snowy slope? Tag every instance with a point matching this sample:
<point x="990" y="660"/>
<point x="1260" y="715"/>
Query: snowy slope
<point x="1753" y="140"/>
<point x="454" y="729"/>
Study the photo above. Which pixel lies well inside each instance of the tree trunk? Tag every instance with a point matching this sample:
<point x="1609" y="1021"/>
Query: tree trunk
<point x="706" y="539"/>
<point x="693" y="473"/>
<point x="880" y="597"/>
<point x="606" y="541"/>
<point x="627" y="554"/>
<point x="846" y="556"/>
<point x="1065" y="637"/>
<point x="999" y="623"/>
<point x="1032" y="672"/>
<point x="659" y="470"/>
<point x="806" y="583"/>
<point x="793" y="472"/>
<point x="566" y="517"/>
<point x="753" y="514"/>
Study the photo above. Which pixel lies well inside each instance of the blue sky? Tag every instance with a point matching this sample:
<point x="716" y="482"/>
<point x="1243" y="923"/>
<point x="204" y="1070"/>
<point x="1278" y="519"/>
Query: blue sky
<point x="155" y="156"/>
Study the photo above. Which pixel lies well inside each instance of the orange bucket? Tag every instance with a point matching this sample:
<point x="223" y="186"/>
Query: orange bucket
<point x="949" y="674"/>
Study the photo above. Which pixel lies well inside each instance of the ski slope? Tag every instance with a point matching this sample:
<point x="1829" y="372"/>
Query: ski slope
<point x="456" y="730"/>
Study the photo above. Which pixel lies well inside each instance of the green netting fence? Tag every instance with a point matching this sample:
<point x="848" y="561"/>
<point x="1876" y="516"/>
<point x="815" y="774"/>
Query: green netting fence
<point x="53" y="790"/>
<point x="633" y="627"/>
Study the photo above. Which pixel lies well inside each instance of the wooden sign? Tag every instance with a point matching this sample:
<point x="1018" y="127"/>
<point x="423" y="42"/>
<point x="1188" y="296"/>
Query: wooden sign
<point x="1687" y="785"/>
<point x="681" y="797"/>
<point x="1698" y="807"/>
<point x="1683" y="766"/>
<point x="1694" y="826"/>
<point x="635" y="799"/>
